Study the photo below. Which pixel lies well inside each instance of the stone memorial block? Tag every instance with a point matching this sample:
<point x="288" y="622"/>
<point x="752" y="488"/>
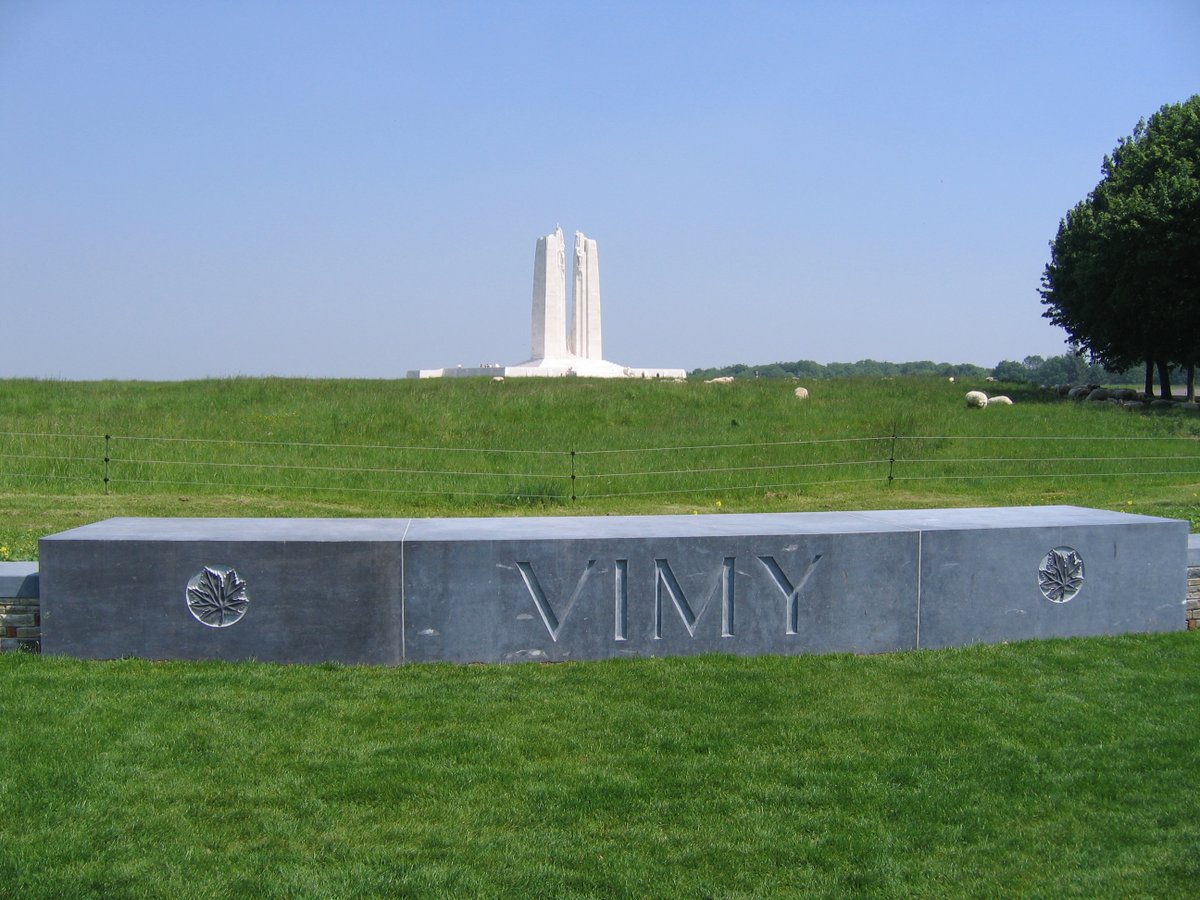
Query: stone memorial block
<point x="1009" y="574"/>
<point x="275" y="590"/>
<point x="387" y="591"/>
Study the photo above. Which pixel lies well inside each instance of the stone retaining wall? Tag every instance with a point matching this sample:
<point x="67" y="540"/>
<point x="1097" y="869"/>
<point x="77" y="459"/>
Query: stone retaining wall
<point x="1193" y="598"/>
<point x="1192" y="605"/>
<point x="20" y="608"/>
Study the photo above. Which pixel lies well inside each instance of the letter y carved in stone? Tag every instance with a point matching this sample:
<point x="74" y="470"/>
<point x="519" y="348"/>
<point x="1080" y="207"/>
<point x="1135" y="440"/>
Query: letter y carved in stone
<point x="790" y="593"/>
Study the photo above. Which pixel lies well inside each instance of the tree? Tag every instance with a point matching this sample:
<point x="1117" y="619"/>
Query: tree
<point x="1010" y="370"/>
<point x="1124" y="273"/>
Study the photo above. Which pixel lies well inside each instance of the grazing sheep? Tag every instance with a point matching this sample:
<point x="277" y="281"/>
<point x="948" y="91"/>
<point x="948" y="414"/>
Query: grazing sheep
<point x="999" y="401"/>
<point x="724" y="379"/>
<point x="801" y="393"/>
<point x="976" y="399"/>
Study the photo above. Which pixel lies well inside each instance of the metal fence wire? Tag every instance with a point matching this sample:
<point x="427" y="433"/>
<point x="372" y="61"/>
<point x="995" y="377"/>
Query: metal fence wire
<point x="130" y="463"/>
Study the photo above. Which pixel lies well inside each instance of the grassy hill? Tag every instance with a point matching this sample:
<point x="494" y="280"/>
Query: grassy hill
<point x="267" y="446"/>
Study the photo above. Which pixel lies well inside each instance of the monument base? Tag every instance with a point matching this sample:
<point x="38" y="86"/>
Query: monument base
<point x="552" y="368"/>
<point x="389" y="591"/>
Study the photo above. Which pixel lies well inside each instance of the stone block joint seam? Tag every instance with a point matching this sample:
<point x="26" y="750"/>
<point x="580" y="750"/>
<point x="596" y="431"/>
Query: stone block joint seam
<point x="920" y="536"/>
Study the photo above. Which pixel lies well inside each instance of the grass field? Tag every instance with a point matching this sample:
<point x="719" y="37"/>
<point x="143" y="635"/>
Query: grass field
<point x="1057" y="768"/>
<point x="277" y="447"/>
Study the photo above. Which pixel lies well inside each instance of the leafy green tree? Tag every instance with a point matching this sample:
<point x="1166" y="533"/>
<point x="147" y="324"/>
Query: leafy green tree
<point x="805" y="368"/>
<point x="774" y="370"/>
<point x="1010" y="370"/>
<point x="1068" y="368"/>
<point x="1124" y="273"/>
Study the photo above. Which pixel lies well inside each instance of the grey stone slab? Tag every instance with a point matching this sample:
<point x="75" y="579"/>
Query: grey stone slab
<point x="599" y="597"/>
<point x="556" y="588"/>
<point x="1193" y="550"/>
<point x="1002" y="518"/>
<point x="235" y="529"/>
<point x="309" y="600"/>
<point x="640" y="527"/>
<point x="982" y="585"/>
<point x="18" y="580"/>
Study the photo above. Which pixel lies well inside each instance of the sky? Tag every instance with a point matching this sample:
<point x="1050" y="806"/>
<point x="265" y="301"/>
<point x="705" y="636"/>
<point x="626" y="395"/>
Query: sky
<point x="355" y="189"/>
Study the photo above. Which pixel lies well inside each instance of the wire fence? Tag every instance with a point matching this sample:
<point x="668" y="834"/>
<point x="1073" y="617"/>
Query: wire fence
<point x="140" y="464"/>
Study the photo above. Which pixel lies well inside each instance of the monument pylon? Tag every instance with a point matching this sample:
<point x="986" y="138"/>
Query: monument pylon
<point x="554" y="349"/>
<point x="549" y="297"/>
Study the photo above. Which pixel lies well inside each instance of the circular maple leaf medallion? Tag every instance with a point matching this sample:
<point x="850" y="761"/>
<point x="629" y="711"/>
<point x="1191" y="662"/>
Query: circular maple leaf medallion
<point x="1060" y="576"/>
<point x="217" y="597"/>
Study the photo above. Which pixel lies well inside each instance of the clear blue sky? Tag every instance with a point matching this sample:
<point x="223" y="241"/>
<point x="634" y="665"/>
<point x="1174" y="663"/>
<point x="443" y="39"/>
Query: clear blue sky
<point x="354" y="189"/>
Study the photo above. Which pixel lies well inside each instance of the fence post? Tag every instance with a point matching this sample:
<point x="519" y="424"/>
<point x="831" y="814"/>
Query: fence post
<point x="573" y="497"/>
<point x="892" y="458"/>
<point x="107" y="459"/>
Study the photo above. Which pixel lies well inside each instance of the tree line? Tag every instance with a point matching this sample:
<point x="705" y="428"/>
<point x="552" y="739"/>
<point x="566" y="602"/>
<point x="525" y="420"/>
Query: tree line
<point x="1064" y="369"/>
<point x="807" y="368"/>
<point x="1069" y="368"/>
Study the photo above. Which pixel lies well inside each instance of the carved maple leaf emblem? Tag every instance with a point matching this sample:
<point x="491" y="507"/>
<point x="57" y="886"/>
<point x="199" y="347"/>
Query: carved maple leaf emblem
<point x="1061" y="574"/>
<point x="217" y="596"/>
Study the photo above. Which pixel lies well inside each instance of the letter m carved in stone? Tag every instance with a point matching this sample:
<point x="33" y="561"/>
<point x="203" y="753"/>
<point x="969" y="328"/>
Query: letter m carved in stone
<point x="667" y="586"/>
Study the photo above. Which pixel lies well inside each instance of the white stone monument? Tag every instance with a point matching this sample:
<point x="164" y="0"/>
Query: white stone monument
<point x="555" y="350"/>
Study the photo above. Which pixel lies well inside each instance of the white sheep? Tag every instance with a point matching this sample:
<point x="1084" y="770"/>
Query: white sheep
<point x="976" y="399"/>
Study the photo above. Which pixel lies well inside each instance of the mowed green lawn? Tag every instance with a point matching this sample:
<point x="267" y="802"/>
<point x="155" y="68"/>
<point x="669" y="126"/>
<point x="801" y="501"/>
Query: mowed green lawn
<point x="1044" y="769"/>
<point x="1057" y="768"/>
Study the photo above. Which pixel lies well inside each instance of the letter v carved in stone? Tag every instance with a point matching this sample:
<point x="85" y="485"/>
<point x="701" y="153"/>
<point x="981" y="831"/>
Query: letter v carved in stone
<point x="552" y="620"/>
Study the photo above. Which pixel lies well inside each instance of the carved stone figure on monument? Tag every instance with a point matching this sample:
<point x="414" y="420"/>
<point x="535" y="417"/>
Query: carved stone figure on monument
<point x="577" y="317"/>
<point x="585" y="329"/>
